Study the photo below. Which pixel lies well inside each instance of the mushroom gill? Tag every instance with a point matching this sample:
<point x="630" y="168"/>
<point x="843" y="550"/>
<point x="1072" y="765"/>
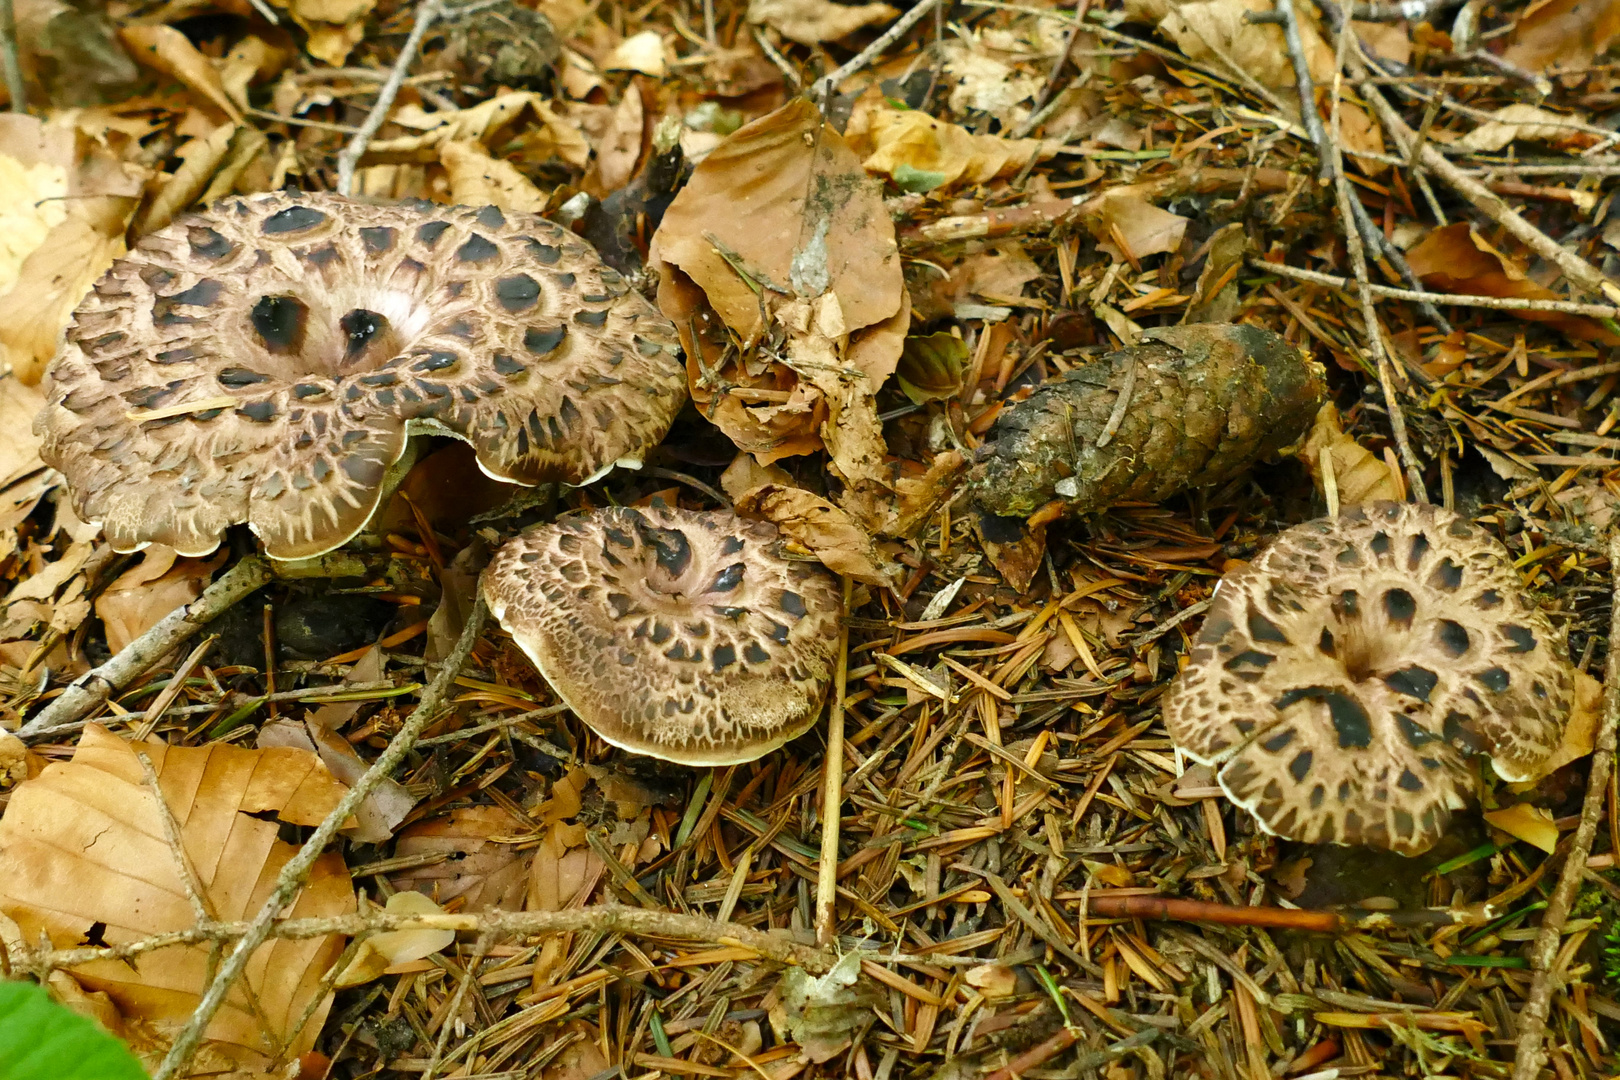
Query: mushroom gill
<point x="1342" y="680"/>
<point x="266" y="361"/>
<point x="683" y="635"/>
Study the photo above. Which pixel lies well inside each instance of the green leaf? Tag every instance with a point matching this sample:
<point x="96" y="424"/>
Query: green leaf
<point x="931" y="367"/>
<point x="916" y="181"/>
<point x="41" y="1040"/>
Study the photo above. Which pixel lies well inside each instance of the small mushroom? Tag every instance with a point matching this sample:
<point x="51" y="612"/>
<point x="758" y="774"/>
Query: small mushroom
<point x="266" y="361"/>
<point x="1343" y="679"/>
<point x="683" y="635"/>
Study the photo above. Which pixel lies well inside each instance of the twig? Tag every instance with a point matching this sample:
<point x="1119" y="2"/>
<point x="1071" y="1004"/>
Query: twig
<point x="1531" y="1054"/>
<point x="1566" y="307"/>
<point x="832" y="796"/>
<point x="9" y="58"/>
<point x="1579" y="272"/>
<point x="597" y="918"/>
<point x="829" y="83"/>
<point x="90" y="690"/>
<point x="349" y="158"/>
<point x="298" y="867"/>
<point x="1358" y="264"/>
<point x="1307" y="88"/>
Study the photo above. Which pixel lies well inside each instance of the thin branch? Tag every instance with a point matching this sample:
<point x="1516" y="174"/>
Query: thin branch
<point x="1579" y="272"/>
<point x="827" y="84"/>
<point x="1532" y="1054"/>
<point x="349" y="159"/>
<point x="298" y="867"/>
<point x="90" y="690"/>
<point x="1499" y="303"/>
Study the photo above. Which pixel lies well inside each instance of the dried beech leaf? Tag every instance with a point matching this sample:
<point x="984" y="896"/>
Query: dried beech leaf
<point x="477" y="866"/>
<point x="1359" y="475"/>
<point x="379" y="952"/>
<point x="1457" y="259"/>
<point x="810" y="22"/>
<point x="83" y="845"/>
<point x="822" y="529"/>
<point x="1563" y="33"/>
<point x="1532" y="824"/>
<point x="1128" y="226"/>
<point x="165" y="49"/>
<point x="643" y="52"/>
<point x="149" y="591"/>
<point x="1205" y="402"/>
<point x="1580" y="734"/>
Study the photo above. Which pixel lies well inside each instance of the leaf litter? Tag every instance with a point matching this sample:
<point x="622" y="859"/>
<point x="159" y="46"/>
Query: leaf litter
<point x="1000" y="211"/>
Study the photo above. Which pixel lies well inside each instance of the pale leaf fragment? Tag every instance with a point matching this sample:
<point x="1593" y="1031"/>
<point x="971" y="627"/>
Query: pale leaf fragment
<point x="1532" y="824"/>
<point x="379" y="952"/>
<point x="1522" y="121"/>
<point x="477" y="179"/>
<point x="810" y="22"/>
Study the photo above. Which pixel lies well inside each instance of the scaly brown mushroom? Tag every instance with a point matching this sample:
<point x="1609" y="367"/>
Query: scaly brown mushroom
<point x="683" y="635"/>
<point x="265" y="362"/>
<point x="1343" y="679"/>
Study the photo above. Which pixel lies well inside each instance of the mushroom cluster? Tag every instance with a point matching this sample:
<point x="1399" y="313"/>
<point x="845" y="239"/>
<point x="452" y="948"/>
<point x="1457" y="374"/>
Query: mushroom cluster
<point x="266" y="362"/>
<point x="683" y="635"/>
<point x="1342" y="680"/>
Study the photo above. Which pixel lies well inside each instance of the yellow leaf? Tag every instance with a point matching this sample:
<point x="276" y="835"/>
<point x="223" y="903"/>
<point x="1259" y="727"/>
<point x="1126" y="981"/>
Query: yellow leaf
<point x="378" y="953"/>
<point x="1532" y="824"/>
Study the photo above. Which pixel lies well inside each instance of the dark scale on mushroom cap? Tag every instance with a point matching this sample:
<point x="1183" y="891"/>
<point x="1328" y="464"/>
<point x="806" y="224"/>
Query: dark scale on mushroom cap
<point x="265" y="363"/>
<point x="1343" y="679"/>
<point x="682" y="635"/>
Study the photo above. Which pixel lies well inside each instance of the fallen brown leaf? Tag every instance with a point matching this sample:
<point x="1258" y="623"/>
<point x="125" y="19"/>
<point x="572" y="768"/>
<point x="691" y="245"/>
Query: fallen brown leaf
<point x="823" y="530"/>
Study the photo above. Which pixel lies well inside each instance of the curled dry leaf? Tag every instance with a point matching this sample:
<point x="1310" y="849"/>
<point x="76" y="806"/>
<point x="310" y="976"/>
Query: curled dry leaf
<point x="1457" y="259"/>
<point x="1532" y="824"/>
<point x="150" y="590"/>
<point x="643" y="52"/>
<point x="810" y="22"/>
<point x="1580" y="734"/>
<point x="1359" y="475"/>
<point x="334" y="26"/>
<point x="821" y="1013"/>
<point x="924" y="154"/>
<point x="823" y="530"/>
<point x="483" y="123"/>
<point x="1127" y="226"/>
<point x="780" y="237"/>
<point x="931" y="367"/>
<point x="83" y="845"/>
<point x="1190" y="406"/>
<point x="165" y="49"/>
<point x="379" y="952"/>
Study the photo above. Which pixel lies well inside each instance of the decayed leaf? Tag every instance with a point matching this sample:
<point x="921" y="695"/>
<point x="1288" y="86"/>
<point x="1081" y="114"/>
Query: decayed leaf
<point x="810" y="22"/>
<point x="1359" y="475"/>
<point x="1522" y="121"/>
<point x="483" y="123"/>
<point x="1190" y="406"/>
<point x="780" y="233"/>
<point x="1532" y="824"/>
<point x="822" y="529"/>
<point x="379" y="952"/>
<point x="83" y="845"/>
<point x="199" y="160"/>
<point x="924" y="154"/>
<point x="165" y="49"/>
<point x="1216" y="31"/>
<point x="1457" y="259"/>
<point x="1580" y="733"/>
<point x="1563" y="33"/>
<point x="821" y="1013"/>
<point x="480" y="868"/>
<point x="334" y="26"/>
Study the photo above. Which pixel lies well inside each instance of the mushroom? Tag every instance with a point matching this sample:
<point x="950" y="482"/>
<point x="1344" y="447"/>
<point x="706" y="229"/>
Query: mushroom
<point x="1343" y="679"/>
<point x="683" y="635"/>
<point x="266" y="361"/>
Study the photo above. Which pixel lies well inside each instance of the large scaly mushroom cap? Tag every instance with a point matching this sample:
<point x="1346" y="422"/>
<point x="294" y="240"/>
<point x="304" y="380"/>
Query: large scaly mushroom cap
<point x="683" y="635"/>
<point x="265" y="362"/>
<point x="1342" y="680"/>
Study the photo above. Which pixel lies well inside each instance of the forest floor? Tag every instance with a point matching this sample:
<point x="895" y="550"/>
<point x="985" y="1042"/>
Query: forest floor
<point x="1434" y="228"/>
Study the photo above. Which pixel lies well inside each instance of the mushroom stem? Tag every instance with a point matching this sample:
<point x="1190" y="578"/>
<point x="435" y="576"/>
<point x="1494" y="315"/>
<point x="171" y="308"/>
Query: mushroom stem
<point x="832" y="800"/>
<point x="94" y="687"/>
